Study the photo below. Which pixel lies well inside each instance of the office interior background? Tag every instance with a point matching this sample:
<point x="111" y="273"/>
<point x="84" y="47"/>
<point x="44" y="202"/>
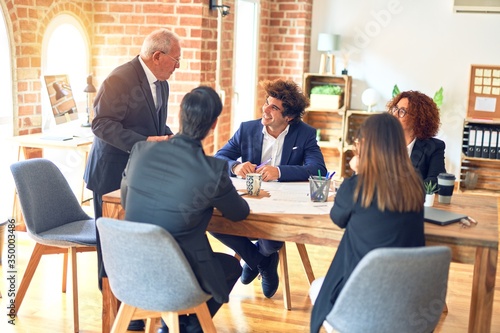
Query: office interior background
<point x="420" y="45"/>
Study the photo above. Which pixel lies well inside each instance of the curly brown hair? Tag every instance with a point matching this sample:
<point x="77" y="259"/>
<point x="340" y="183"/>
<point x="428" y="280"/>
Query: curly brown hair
<point x="291" y="96"/>
<point x="423" y="113"/>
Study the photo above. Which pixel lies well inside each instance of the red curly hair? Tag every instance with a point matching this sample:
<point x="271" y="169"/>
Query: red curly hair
<point x="422" y="111"/>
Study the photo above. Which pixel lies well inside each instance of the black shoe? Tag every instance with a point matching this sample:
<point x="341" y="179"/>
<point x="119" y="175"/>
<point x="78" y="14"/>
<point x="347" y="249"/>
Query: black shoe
<point x="269" y="272"/>
<point x="136" y="325"/>
<point x="248" y="274"/>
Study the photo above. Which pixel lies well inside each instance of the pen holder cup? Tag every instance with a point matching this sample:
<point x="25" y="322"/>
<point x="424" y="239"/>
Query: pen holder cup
<point x="319" y="188"/>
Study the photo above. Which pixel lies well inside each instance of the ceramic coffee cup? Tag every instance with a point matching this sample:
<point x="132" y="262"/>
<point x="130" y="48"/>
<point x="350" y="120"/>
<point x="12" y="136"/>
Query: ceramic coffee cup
<point x="253" y="181"/>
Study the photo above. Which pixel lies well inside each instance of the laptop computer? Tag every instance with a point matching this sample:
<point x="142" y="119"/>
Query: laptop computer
<point x="441" y="217"/>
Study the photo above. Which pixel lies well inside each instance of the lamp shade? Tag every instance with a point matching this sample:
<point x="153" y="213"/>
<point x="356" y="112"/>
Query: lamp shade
<point x="328" y="42"/>
<point x="90" y="87"/>
<point x="60" y="92"/>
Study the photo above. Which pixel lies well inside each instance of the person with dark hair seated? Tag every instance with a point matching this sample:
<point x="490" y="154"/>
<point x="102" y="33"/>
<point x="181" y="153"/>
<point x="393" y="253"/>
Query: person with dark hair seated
<point x="281" y="147"/>
<point x="173" y="184"/>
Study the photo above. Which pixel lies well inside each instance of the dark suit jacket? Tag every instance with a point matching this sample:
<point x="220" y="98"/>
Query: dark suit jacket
<point x="428" y="157"/>
<point x="365" y="229"/>
<point x="174" y="185"/>
<point x="301" y="154"/>
<point x="125" y="114"/>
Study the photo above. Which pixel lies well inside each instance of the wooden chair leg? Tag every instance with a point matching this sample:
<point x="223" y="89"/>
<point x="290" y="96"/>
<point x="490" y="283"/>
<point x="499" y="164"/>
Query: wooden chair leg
<point x="287" y="299"/>
<point x="74" y="276"/>
<point x="38" y="251"/>
<point x="123" y="318"/>
<point x="205" y="318"/>
<point x="150" y="325"/>
<point x="171" y="319"/>
<point x="65" y="272"/>
<point x="306" y="263"/>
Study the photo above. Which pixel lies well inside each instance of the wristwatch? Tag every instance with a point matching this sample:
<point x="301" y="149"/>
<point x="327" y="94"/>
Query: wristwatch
<point x="234" y="166"/>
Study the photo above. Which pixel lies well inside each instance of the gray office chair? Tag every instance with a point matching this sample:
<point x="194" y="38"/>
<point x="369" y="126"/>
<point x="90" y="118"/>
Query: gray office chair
<point x="54" y="219"/>
<point x="394" y="290"/>
<point x="149" y="274"/>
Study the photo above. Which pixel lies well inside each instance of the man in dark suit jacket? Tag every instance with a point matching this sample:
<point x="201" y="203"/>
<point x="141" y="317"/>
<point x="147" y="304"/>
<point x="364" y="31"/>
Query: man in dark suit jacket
<point x="128" y="109"/>
<point x="176" y="186"/>
<point x="282" y="148"/>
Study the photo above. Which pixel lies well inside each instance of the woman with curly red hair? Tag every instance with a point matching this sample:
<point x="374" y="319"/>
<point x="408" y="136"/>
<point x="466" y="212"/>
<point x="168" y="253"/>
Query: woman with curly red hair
<point x="419" y="116"/>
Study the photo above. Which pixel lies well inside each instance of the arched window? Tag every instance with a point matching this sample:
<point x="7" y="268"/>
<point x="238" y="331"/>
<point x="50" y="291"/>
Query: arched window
<point x="9" y="152"/>
<point x="6" y="111"/>
<point x="65" y="50"/>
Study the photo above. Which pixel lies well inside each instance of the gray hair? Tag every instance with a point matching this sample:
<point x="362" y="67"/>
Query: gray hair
<point x="158" y="40"/>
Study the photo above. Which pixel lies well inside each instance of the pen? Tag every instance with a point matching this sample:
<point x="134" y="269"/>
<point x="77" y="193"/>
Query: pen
<point x="264" y="163"/>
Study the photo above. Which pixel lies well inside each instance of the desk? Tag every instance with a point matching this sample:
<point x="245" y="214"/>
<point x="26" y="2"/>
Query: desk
<point x="30" y="147"/>
<point x="477" y="245"/>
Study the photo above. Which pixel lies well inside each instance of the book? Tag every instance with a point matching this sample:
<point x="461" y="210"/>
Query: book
<point x="486" y="143"/>
<point x="493" y="144"/>
<point x="472" y="145"/>
<point x="478" y="150"/>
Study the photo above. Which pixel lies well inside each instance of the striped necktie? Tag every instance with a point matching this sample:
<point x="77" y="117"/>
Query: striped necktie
<point x="161" y="98"/>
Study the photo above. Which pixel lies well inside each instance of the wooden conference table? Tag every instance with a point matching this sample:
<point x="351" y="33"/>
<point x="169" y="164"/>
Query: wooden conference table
<point x="280" y="220"/>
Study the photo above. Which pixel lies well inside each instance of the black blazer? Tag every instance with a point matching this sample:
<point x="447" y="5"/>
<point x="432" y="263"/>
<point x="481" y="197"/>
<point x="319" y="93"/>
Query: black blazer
<point x="365" y="229"/>
<point x="173" y="184"/>
<point x="427" y="157"/>
<point x="125" y="114"/>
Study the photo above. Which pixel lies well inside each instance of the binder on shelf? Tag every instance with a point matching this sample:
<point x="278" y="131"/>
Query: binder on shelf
<point x="472" y="139"/>
<point x="493" y="144"/>
<point x="478" y="151"/>
<point x="486" y="143"/>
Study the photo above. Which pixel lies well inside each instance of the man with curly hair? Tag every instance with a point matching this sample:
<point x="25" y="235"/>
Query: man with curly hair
<point x="281" y="147"/>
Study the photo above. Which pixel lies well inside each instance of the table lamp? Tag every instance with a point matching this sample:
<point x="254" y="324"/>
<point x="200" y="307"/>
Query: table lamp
<point x="327" y="43"/>
<point x="369" y="98"/>
<point x="89" y="89"/>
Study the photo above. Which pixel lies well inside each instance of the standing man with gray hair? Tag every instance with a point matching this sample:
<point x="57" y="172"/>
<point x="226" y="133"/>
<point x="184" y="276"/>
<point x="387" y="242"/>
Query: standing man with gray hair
<point x="130" y="106"/>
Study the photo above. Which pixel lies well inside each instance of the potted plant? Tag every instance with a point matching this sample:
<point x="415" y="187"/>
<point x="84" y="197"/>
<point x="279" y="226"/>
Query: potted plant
<point x="430" y="191"/>
<point x="327" y="97"/>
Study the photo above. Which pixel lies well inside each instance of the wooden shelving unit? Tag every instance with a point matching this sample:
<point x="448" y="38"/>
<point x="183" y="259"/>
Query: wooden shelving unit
<point x="483" y="114"/>
<point x="329" y="121"/>
<point x="487" y="169"/>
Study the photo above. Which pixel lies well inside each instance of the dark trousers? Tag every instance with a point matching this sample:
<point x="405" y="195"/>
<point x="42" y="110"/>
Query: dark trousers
<point x="247" y="250"/>
<point x="232" y="272"/>
<point x="98" y="213"/>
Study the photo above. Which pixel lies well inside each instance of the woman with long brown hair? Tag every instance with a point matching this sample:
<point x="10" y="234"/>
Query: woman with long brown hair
<point x="380" y="206"/>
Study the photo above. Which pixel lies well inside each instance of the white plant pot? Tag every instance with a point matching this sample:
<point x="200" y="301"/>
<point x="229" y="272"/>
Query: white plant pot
<point x="429" y="200"/>
<point x="326" y="101"/>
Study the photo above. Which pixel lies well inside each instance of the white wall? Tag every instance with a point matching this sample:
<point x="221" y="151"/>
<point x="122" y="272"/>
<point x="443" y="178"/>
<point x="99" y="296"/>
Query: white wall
<point x="418" y="45"/>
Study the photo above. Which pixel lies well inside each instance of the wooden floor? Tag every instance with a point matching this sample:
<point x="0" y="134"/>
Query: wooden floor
<point x="47" y="310"/>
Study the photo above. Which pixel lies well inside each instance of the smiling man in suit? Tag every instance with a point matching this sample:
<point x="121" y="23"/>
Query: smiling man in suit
<point x="281" y="147"/>
<point x="130" y="106"/>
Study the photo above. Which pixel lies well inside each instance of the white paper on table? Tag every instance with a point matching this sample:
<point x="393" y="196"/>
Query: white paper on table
<point x="285" y="198"/>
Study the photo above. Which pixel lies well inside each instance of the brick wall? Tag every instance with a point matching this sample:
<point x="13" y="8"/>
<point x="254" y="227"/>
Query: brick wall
<point x="117" y="28"/>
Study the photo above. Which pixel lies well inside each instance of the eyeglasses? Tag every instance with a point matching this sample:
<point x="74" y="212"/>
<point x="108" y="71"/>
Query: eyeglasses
<point x="177" y="61"/>
<point x="401" y="112"/>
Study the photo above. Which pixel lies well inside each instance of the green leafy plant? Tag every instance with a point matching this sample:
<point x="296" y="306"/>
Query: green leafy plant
<point x="430" y="187"/>
<point x="327" y="89"/>
<point x="438" y="96"/>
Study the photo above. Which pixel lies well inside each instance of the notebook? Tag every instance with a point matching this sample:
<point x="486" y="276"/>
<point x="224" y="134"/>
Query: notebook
<point x="441" y="217"/>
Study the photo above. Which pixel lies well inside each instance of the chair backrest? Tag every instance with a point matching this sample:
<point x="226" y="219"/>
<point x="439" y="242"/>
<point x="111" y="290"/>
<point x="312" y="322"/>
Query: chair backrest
<point x="394" y="290"/>
<point x="146" y="267"/>
<point x="46" y="198"/>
